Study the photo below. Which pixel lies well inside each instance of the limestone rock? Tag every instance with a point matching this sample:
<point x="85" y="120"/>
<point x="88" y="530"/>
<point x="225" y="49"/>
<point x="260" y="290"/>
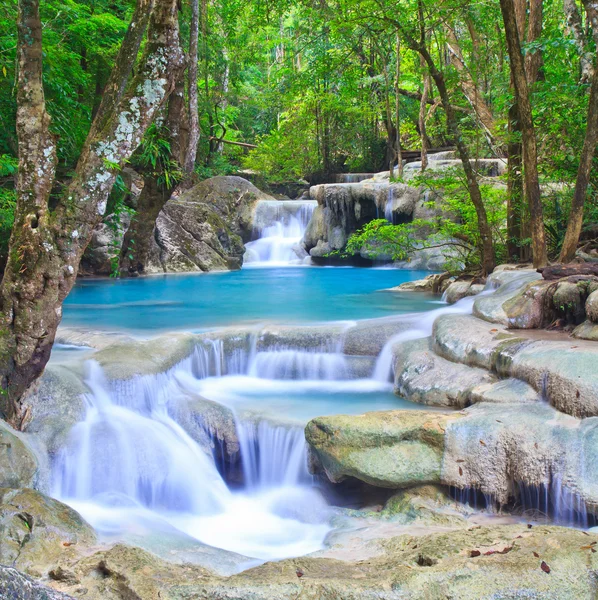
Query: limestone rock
<point x="388" y="449"/>
<point x="103" y="252"/>
<point x="468" y="340"/>
<point x="434" y="284"/>
<point x="586" y="331"/>
<point x="205" y="228"/>
<point x="16" y="586"/>
<point x="423" y="377"/>
<point x="568" y="301"/>
<point x="18" y="463"/>
<point x="36" y="530"/>
<point x="462" y="289"/>
<point x="506" y="391"/>
<point x="592" y="307"/>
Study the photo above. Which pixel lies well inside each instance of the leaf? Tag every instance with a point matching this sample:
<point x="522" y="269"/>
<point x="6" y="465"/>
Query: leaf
<point x="461" y="471"/>
<point x="505" y="550"/>
<point x="474" y="553"/>
<point x="482" y="442"/>
<point x="460" y="460"/>
<point x="545" y="567"/>
<point x="536" y="555"/>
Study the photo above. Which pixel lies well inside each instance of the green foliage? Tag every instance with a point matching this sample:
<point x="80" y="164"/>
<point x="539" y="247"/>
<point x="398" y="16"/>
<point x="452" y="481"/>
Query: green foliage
<point x="452" y="225"/>
<point x="154" y="156"/>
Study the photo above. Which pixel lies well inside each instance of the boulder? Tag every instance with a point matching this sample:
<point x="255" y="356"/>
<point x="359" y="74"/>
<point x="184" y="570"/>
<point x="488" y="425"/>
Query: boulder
<point x="17" y="586"/>
<point x="424" y="377"/>
<point x="204" y="229"/>
<point x="434" y="284"/>
<point x="471" y="341"/>
<point x="391" y="449"/>
<point x="103" y="252"/>
<point x="36" y="530"/>
<point x="18" y="463"/>
<point x="461" y="289"/>
<point x="592" y="307"/>
<point x="586" y="331"/>
<point x="568" y="301"/>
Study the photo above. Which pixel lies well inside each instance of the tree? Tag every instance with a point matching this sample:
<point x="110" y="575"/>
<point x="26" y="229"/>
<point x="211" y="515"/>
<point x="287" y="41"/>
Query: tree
<point x="530" y="152"/>
<point x="585" y="165"/>
<point x="46" y="245"/>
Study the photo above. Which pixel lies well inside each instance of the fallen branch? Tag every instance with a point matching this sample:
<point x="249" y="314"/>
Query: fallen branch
<point x="242" y="144"/>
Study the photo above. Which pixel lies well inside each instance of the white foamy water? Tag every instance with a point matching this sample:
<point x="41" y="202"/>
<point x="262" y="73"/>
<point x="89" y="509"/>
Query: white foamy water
<point x="130" y="465"/>
<point x="279" y="227"/>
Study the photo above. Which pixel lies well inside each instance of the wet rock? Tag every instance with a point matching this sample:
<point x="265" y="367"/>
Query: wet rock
<point x="462" y="289"/>
<point x="56" y="404"/>
<point x="390" y="449"/>
<point x="36" y="530"/>
<point x="433" y="284"/>
<point x="368" y="337"/>
<point x="471" y="341"/>
<point x="18" y="463"/>
<point x="17" y="586"/>
<point x="422" y="376"/>
<point x="517" y="303"/>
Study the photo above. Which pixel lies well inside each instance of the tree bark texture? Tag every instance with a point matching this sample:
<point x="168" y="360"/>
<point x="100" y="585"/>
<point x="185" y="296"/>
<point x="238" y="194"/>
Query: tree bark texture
<point x="529" y="154"/>
<point x="46" y="248"/>
<point x="583" y="178"/>
<point x="192" y="73"/>
<point x="575" y="28"/>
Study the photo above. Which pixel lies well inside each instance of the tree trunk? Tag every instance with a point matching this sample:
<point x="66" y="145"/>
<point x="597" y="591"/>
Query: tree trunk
<point x="583" y="178"/>
<point x="487" y="245"/>
<point x="193" y="136"/>
<point x="399" y="152"/>
<point x="470" y="88"/>
<point x="533" y="58"/>
<point x="156" y="192"/>
<point x="529" y="155"/>
<point x="575" y="28"/>
<point x="422" y="122"/>
<point x="515" y="205"/>
<point x="45" y="250"/>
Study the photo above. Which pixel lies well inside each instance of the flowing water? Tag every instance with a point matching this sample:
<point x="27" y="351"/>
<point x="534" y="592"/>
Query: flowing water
<point x="279" y="227"/>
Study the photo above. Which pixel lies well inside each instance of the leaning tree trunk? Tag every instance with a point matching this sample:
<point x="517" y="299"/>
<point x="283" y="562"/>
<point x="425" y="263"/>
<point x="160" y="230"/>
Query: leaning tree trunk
<point x="583" y="178"/>
<point x="486" y="243"/>
<point x="192" y="72"/>
<point x="157" y="190"/>
<point x="46" y="248"/>
<point x="530" y="153"/>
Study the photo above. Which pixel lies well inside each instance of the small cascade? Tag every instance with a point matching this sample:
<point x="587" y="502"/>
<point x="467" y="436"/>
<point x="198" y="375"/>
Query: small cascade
<point x="390" y="205"/>
<point x="383" y="369"/>
<point x="279" y="227"/>
<point x="281" y="363"/>
<point x="353" y="177"/>
<point x="272" y="454"/>
<point x="129" y="465"/>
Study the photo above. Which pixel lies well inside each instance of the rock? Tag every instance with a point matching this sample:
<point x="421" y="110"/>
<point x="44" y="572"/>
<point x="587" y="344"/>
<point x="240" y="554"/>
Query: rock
<point x="519" y="302"/>
<point x="103" y="252"/>
<point x="18" y="463"/>
<point x="56" y="404"/>
<point x="554" y="272"/>
<point x="368" y="337"/>
<point x="36" y="530"/>
<point x="592" y="307"/>
<point x="16" y="586"/>
<point x="423" y="377"/>
<point x="568" y="301"/>
<point x="490" y="167"/>
<point x="565" y="372"/>
<point x="507" y="391"/>
<point x="471" y="341"/>
<point x="586" y="331"/>
<point x="205" y="228"/>
<point x="128" y="360"/>
<point x="434" y="284"/>
<point x="435" y="258"/>
<point x="458" y="290"/>
<point x="390" y="449"/>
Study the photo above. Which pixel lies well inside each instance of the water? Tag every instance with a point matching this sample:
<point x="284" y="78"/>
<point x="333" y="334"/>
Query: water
<point x="289" y="295"/>
<point x="279" y="227"/>
<point x="129" y="463"/>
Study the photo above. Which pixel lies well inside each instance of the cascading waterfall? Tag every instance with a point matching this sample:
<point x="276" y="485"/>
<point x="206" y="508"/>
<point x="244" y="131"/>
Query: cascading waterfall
<point x="390" y="205"/>
<point x="279" y="227"/>
<point x="129" y="461"/>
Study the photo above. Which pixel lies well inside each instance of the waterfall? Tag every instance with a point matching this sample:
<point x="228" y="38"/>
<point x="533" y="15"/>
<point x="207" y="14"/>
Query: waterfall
<point x="129" y="465"/>
<point x="390" y="205"/>
<point x="279" y="227"/>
